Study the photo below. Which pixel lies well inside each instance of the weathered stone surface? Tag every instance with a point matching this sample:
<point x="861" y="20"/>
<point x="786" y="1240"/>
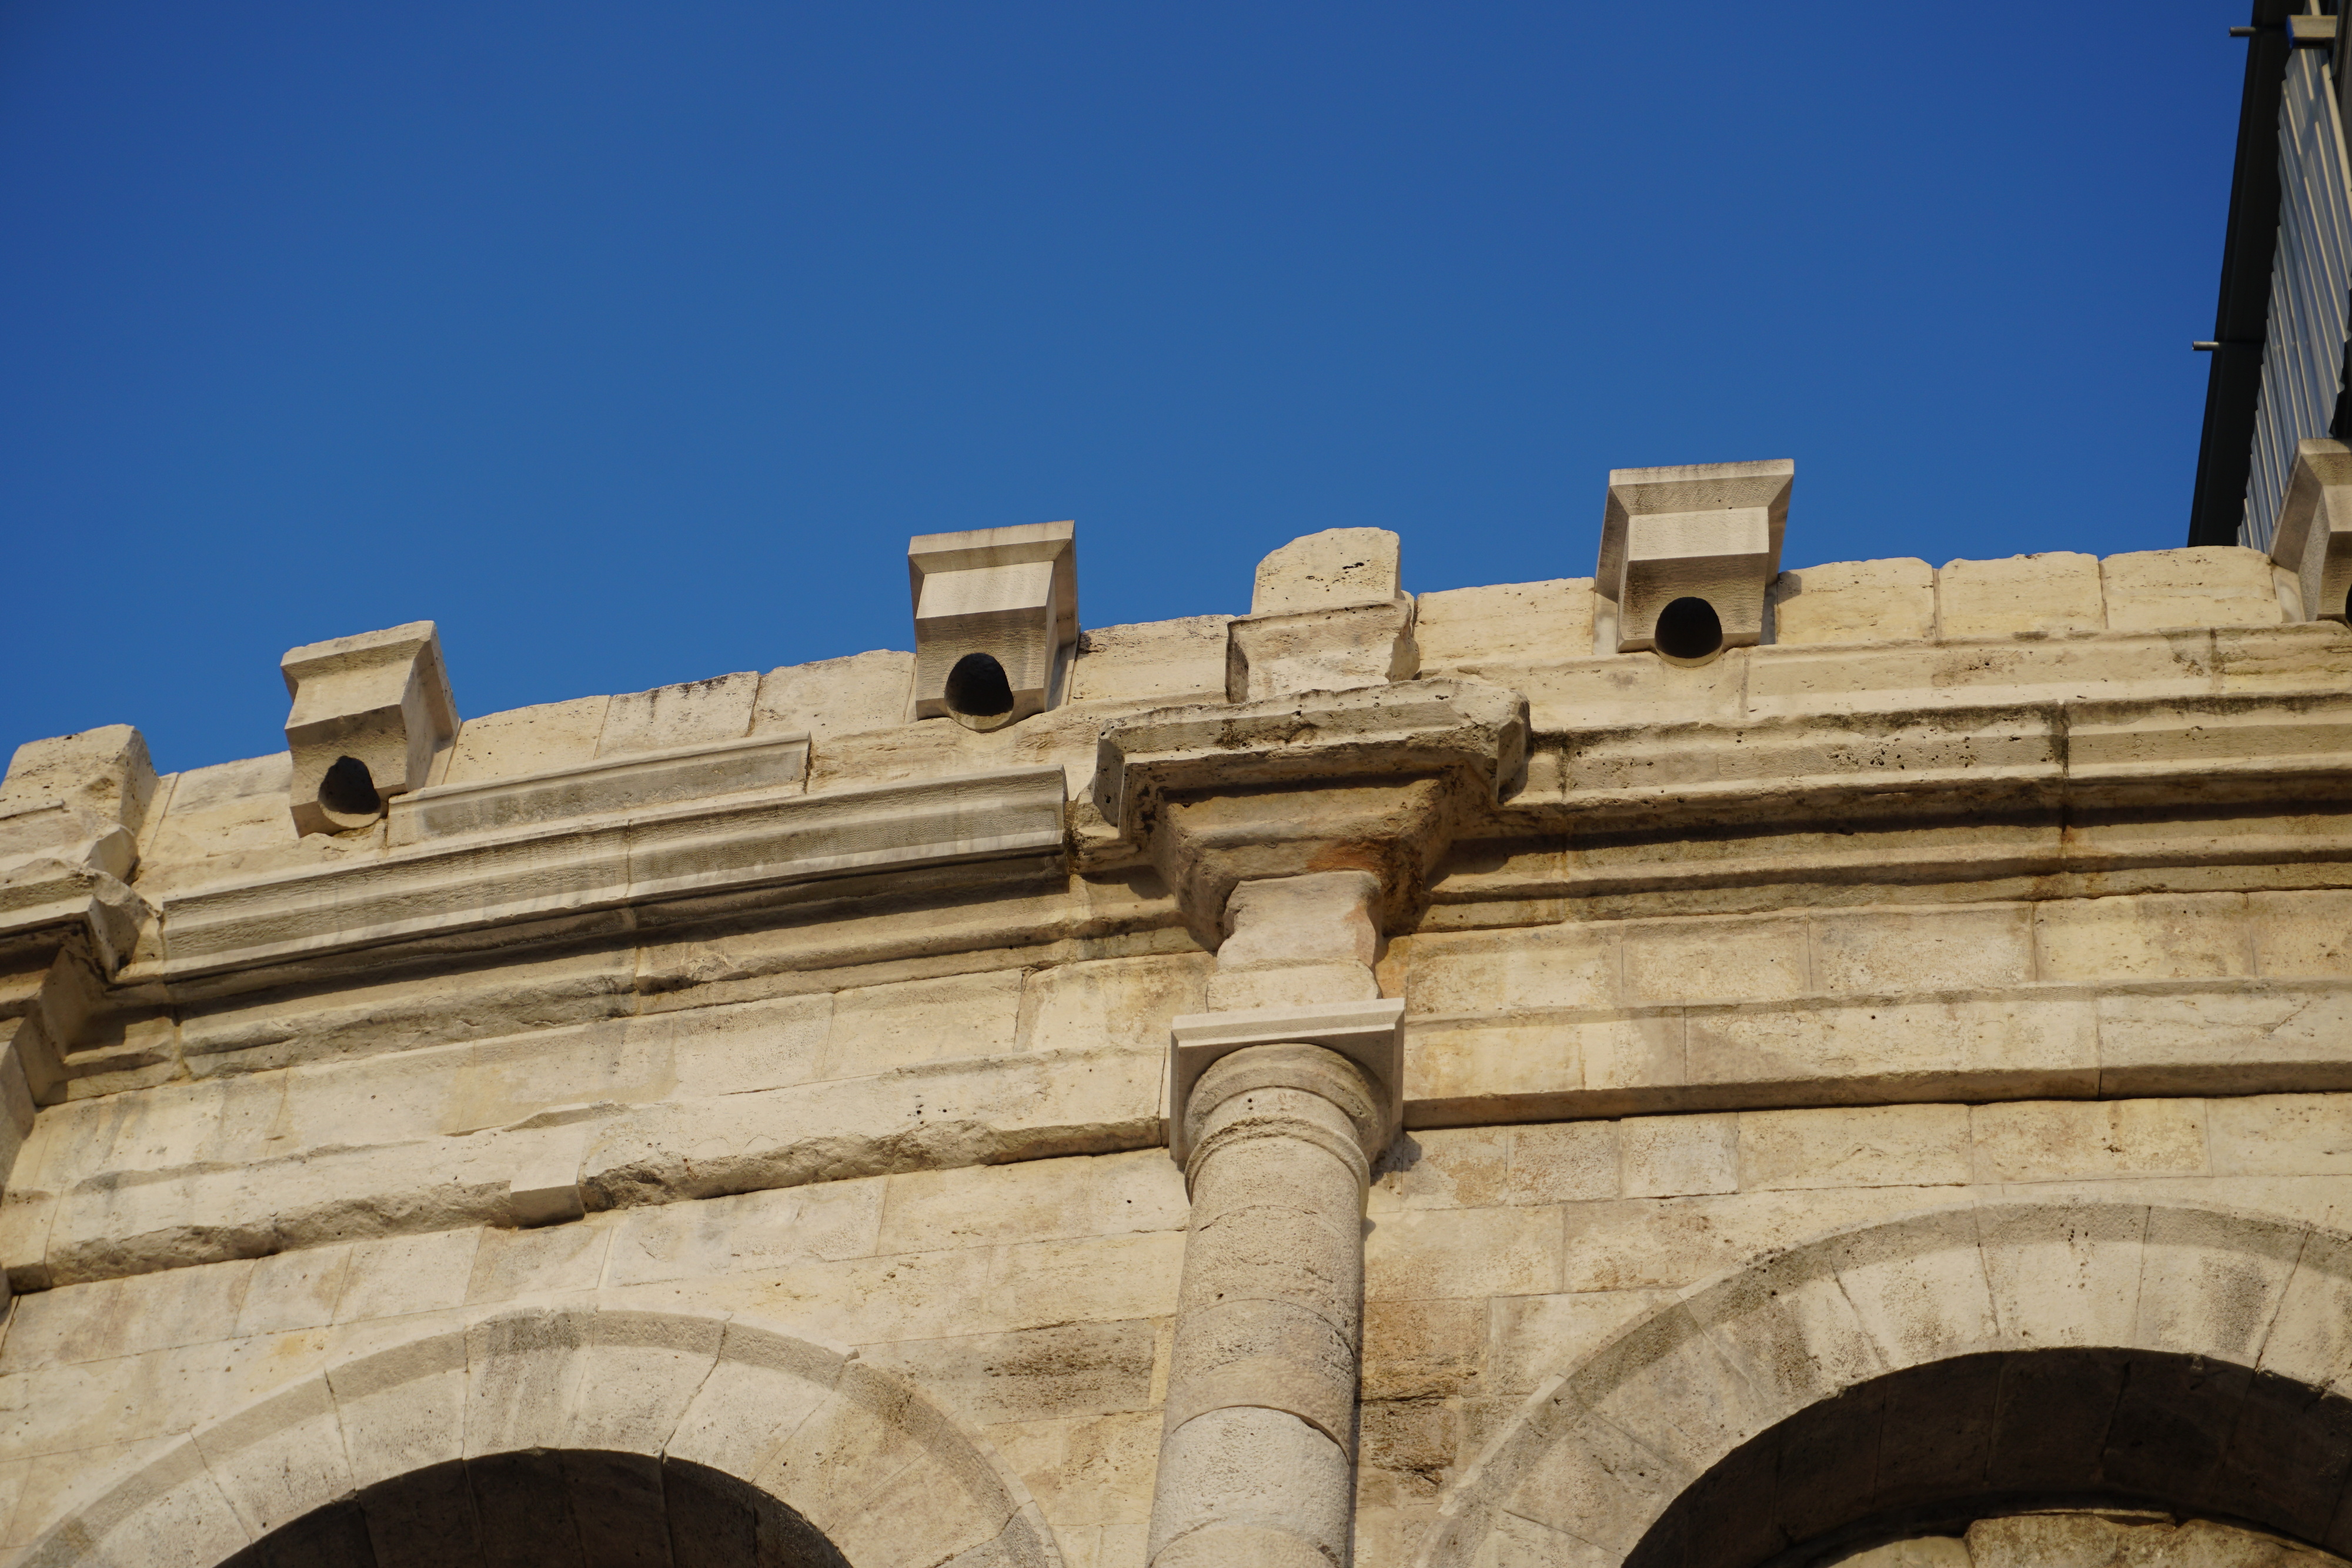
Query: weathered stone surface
<point x="835" y="696"/>
<point x="1336" y="567"/>
<point x="1461" y="631"/>
<point x="1855" y="601"/>
<point x="692" y="713"/>
<point x="2026" y="595"/>
<point x="2211" y="585"/>
<point x="537" y="739"/>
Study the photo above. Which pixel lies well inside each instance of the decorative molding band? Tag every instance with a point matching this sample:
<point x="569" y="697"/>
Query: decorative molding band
<point x="445" y="887"/>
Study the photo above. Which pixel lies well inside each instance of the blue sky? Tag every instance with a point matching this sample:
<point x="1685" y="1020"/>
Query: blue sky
<point x="629" y="343"/>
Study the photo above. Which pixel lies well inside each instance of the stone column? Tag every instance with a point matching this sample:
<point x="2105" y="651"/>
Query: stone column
<point x="1278" y="1113"/>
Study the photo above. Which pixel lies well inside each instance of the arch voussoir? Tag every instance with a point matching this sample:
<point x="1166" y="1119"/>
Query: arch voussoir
<point x="2204" y="1336"/>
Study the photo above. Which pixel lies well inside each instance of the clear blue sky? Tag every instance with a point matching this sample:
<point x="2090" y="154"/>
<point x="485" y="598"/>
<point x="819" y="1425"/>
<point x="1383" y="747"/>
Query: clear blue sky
<point x="630" y="343"/>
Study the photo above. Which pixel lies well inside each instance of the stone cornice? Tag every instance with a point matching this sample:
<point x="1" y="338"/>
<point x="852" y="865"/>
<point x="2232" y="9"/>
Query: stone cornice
<point x="448" y="886"/>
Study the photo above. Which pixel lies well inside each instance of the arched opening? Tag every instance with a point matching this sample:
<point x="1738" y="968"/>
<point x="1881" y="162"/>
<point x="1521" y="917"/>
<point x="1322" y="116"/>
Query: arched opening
<point x="1929" y="1450"/>
<point x="550" y="1509"/>
<point x="977" y="692"/>
<point x="1688" y="628"/>
<point x="348" y="790"/>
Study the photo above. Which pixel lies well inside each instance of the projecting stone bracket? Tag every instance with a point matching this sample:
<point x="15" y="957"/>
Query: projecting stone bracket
<point x="1687" y="555"/>
<point x="1377" y="779"/>
<point x="369" y="711"/>
<point x="2312" y="543"/>
<point x="1369" y="1034"/>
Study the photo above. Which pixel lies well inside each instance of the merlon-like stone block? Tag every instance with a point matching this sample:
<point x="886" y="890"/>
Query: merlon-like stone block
<point x="1687" y="554"/>
<point x="996" y="622"/>
<point x="1324" y="571"/>
<point x="369" y="714"/>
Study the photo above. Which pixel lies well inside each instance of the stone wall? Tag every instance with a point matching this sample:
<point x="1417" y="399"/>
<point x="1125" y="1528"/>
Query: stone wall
<point x="1976" y="912"/>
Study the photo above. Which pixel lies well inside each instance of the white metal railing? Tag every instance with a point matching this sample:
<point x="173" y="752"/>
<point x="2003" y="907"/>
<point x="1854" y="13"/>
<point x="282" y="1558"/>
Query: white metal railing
<point x="2303" y="353"/>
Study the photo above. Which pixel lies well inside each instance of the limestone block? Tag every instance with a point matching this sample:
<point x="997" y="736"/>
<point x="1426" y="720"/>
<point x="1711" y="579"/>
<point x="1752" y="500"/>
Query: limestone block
<point x="629" y="782"/>
<point x="1687" y="554"/>
<point x="1644" y="1245"/>
<point x="1152" y="661"/>
<point x="2213" y="1282"/>
<point x="2276" y="1039"/>
<point x="2281" y="1135"/>
<point x="1668" y="1382"/>
<point x="1342" y="648"/>
<point x="2311" y="1336"/>
<point x="277" y="1460"/>
<point x="877" y="1028"/>
<point x="2313" y="540"/>
<point x="1536" y="1337"/>
<point x="1912" y="677"/>
<point x="837" y="696"/>
<point x="1599" y="693"/>
<point x="1855" y="601"/>
<point x="2067" y="1274"/>
<point x="402" y="1408"/>
<point x="224" y="810"/>
<point x="402" y="1274"/>
<point x="1422" y="1254"/>
<point x="1918" y="1287"/>
<point x="1891" y="952"/>
<point x="1444" y="1167"/>
<point x="996" y="622"/>
<point x="293" y="1291"/>
<point x="1676" y="1156"/>
<point x="743" y="1047"/>
<point x="1062" y="1370"/>
<point x="1760" y="960"/>
<point x="559" y="1259"/>
<point x="1790" y="1327"/>
<point x="2204" y="585"/>
<point x="1494" y="973"/>
<point x="537" y="739"/>
<point x="1422" y="1349"/>
<point x="1919" y="1551"/>
<point x="2304" y="934"/>
<point x="546" y="1189"/>
<point x="102" y="776"/>
<point x="752" y="1232"/>
<point x="1322" y="571"/>
<point x="123" y="1317"/>
<point x="1571" y="1162"/>
<point x="1123" y="1003"/>
<point x="1874" y="1145"/>
<point x="638" y="1371"/>
<point x="1467" y="631"/>
<point x="370" y="713"/>
<point x="2149" y="936"/>
<point x="691" y="713"/>
<point x="769" y="1385"/>
<point x="2057" y="592"/>
<point x="172" y="1514"/>
<point x="2071" y="1140"/>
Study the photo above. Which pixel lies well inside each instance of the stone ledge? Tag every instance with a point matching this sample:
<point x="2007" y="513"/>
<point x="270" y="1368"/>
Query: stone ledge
<point x="440" y="890"/>
<point x="1369" y="1034"/>
<point x="626" y="783"/>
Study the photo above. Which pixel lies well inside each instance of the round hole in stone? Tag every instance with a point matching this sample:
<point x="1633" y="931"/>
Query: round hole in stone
<point x="348" y="789"/>
<point x="1688" y="629"/>
<point x="977" y="692"/>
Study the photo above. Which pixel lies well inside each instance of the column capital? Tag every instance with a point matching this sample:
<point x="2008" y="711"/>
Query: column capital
<point x="1369" y="1034"/>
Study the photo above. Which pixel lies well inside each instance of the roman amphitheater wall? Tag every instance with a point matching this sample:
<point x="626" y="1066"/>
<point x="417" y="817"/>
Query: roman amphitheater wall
<point x="733" y="1121"/>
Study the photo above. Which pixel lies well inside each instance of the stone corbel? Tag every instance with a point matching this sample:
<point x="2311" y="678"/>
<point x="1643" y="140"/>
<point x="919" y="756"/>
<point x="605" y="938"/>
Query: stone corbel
<point x="2313" y="543"/>
<point x="1687" y="555"/>
<point x="370" y="713"/>
<point x="996" y="622"/>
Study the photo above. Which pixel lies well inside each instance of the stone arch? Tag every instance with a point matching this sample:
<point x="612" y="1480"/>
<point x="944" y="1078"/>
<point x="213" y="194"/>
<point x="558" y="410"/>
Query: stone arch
<point x="2247" y="1315"/>
<point x="881" y="1473"/>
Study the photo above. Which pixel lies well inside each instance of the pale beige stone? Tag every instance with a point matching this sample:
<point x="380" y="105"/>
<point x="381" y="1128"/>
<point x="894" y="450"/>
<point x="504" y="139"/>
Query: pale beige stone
<point x="877" y="1027"/>
<point x="1444" y="1167"/>
<point x="692" y="713"/>
<point x="2207" y="585"/>
<point x="1537" y="1337"/>
<point x="2158" y="938"/>
<point x="403" y="1274"/>
<point x="1153" y="661"/>
<point x="1336" y="567"/>
<point x="1422" y="1254"/>
<point x="1464" y="631"/>
<point x="1709" y="531"/>
<point x="1874" y="1145"/>
<point x="2024" y="595"/>
<point x="1895" y="952"/>
<point x="370" y="713"/>
<point x="755" y="1231"/>
<point x="2303" y="934"/>
<point x="2059" y="1140"/>
<point x="837" y="696"/>
<point x="1490" y="973"/>
<point x="526" y="741"/>
<point x="1676" y="1156"/>
<point x="1734" y="961"/>
<point x="1572" y="1162"/>
<point x="1855" y="601"/>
